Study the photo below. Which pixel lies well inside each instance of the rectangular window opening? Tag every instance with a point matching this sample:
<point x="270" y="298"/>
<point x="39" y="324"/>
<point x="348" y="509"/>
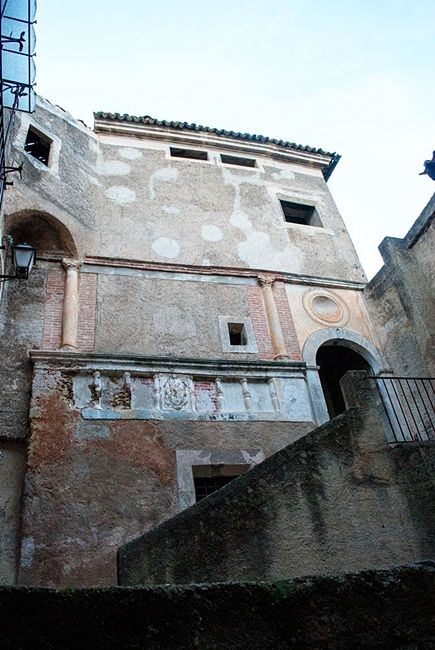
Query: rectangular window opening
<point x="236" y="160"/>
<point x="237" y="334"/>
<point x="193" y="154"/>
<point x="209" y="478"/>
<point x="300" y="213"/>
<point x="38" y="146"/>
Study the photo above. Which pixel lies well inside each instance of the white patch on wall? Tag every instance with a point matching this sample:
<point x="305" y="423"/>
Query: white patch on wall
<point x="166" y="247"/>
<point x="170" y="209"/>
<point x="94" y="146"/>
<point x="284" y="173"/>
<point x="129" y="153"/>
<point x="114" y="168"/>
<point x="93" y="180"/>
<point x="211" y="233"/>
<point x="120" y="194"/>
<point x="164" y="175"/>
<point x="257" y="248"/>
<point x="205" y="262"/>
<point x="27" y="552"/>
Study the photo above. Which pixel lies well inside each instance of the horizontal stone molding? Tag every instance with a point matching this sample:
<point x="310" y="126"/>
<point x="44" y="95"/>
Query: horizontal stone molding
<point x="151" y="414"/>
<point x="144" y="269"/>
<point x="146" y="364"/>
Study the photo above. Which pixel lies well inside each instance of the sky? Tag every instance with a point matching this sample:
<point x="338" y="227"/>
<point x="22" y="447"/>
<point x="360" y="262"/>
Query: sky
<point x="355" y="77"/>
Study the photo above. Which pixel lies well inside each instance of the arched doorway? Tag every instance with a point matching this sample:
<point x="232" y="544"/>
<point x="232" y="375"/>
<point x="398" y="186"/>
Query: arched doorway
<point x="334" y="360"/>
<point x="346" y="340"/>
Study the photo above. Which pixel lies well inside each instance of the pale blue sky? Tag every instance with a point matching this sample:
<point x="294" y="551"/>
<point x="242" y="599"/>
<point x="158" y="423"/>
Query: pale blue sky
<point x="352" y="77"/>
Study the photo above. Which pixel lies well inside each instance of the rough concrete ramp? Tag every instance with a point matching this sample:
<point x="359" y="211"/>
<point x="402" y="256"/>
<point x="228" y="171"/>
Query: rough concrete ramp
<point x="375" y="609"/>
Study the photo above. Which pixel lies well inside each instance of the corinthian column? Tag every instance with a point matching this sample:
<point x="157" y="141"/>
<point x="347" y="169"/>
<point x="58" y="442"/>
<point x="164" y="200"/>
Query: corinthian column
<point x="276" y="333"/>
<point x="70" y="310"/>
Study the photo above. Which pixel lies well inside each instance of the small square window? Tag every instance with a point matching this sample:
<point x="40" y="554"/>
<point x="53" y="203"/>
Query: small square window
<point x="237" y="334"/>
<point x="300" y="213"/>
<point x="236" y="160"/>
<point x="193" y="154"/>
<point x="209" y="478"/>
<point x="38" y="146"/>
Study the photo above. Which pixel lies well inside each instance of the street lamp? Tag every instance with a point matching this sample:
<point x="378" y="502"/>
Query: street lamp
<point x="23" y="259"/>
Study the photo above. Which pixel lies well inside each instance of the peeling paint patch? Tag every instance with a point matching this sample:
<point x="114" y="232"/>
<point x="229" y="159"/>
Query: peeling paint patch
<point x="170" y="209"/>
<point x="164" y="175"/>
<point x="284" y="173"/>
<point x="166" y="247"/>
<point x="211" y="233"/>
<point x="114" y="168"/>
<point x="27" y="552"/>
<point x="129" y="153"/>
<point x="120" y="194"/>
<point x="258" y="246"/>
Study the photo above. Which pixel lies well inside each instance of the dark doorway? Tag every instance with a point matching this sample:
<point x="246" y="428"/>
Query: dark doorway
<point x="334" y="361"/>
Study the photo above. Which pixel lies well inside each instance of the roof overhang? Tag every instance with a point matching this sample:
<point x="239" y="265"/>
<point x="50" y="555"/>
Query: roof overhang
<point x="192" y="136"/>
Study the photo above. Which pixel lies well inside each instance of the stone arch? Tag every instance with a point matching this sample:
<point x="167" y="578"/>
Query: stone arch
<point x="46" y="233"/>
<point x="346" y="338"/>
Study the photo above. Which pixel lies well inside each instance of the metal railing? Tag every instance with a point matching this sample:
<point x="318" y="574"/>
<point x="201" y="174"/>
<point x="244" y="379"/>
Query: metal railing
<point x="409" y="407"/>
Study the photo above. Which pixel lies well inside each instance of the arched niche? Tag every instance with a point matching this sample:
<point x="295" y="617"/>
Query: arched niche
<point x="48" y="235"/>
<point x="341" y="339"/>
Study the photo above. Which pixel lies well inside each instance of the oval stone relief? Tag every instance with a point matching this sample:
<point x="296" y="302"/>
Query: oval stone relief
<point x="325" y="307"/>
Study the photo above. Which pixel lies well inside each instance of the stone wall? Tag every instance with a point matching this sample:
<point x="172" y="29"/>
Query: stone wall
<point x="338" y="499"/>
<point x="400" y="298"/>
<point x="124" y="197"/>
<point x="21" y="322"/>
<point x="376" y="609"/>
<point x="107" y="460"/>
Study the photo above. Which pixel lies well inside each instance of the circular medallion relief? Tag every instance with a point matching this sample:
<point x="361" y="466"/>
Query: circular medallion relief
<point x="325" y="307"/>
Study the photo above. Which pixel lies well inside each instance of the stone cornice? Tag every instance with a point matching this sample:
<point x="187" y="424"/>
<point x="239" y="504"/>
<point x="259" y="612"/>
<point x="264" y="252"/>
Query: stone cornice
<point x="123" y="362"/>
<point x="291" y="278"/>
<point x="320" y="161"/>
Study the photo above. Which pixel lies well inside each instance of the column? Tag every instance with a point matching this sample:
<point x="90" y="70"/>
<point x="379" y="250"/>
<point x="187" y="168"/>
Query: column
<point x="70" y="311"/>
<point x="276" y="333"/>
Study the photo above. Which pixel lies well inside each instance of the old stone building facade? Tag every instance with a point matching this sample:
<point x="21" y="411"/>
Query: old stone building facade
<point x="196" y="300"/>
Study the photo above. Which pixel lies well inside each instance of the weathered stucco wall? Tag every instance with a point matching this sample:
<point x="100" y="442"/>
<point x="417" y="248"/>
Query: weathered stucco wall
<point x="126" y="198"/>
<point x="12" y="468"/>
<point x="376" y="609"/>
<point x="337" y="499"/>
<point x="93" y="484"/>
<point x="400" y="298"/>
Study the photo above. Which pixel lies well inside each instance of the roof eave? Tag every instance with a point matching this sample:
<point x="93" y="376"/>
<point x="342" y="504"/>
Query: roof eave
<point x="324" y="162"/>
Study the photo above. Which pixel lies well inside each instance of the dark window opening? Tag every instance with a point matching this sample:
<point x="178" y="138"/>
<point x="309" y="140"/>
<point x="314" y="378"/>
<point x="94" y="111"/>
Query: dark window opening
<point x="194" y="154"/>
<point x="334" y="361"/>
<point x="209" y="478"/>
<point x="205" y="485"/>
<point x="38" y="146"/>
<point x="305" y="215"/>
<point x="235" y="160"/>
<point x="237" y="334"/>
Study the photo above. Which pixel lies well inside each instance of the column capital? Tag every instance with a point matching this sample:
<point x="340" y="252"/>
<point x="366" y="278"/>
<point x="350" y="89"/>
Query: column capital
<point x="71" y="263"/>
<point x="265" y="280"/>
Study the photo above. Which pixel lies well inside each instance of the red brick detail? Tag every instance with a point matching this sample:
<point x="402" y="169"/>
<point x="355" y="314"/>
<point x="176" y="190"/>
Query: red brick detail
<point x="205" y="392"/>
<point x="286" y="320"/>
<point x="87" y="306"/>
<point x="259" y="322"/>
<point x="51" y="335"/>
